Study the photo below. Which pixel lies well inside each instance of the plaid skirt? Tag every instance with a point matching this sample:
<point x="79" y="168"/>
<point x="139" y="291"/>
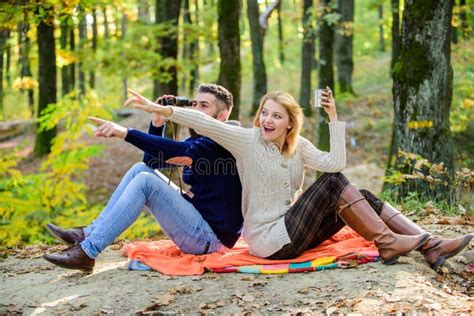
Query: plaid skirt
<point x="314" y="219"/>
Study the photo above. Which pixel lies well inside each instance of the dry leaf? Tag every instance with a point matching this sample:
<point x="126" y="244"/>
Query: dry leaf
<point x="248" y="298"/>
<point x="304" y="290"/>
<point x="331" y="310"/>
<point x="165" y="299"/>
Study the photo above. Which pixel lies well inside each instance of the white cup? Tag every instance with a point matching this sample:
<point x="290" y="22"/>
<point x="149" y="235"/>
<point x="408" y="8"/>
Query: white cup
<point x="318" y="95"/>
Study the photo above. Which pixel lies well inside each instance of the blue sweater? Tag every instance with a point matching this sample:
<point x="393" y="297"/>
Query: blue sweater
<point x="213" y="177"/>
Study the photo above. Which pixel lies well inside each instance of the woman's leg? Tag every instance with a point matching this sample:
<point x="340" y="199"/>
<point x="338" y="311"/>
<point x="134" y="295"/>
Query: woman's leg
<point x="313" y="218"/>
<point x="435" y="250"/>
<point x="129" y="175"/>
<point x="320" y="212"/>
<point x="177" y="217"/>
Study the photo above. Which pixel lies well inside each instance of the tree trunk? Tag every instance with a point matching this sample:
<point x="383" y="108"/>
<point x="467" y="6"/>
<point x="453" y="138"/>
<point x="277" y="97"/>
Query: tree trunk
<point x="24" y="47"/>
<point x="280" y="35"/>
<point x="123" y="29"/>
<point x="230" y="71"/>
<point x="106" y="24"/>
<point x="326" y="72"/>
<point x="167" y="11"/>
<point x="82" y="44"/>
<point x="94" y="46"/>
<point x="8" y="52"/>
<point x="463" y="16"/>
<point x="143" y="11"/>
<point x="72" y="48"/>
<point x="65" y="71"/>
<point x="186" y="52"/>
<point x="422" y="90"/>
<point x="454" y="28"/>
<point x="307" y="57"/>
<point x="381" y="31"/>
<point x="258" y="64"/>
<point x="3" y="40"/>
<point x="344" y="39"/>
<point x="47" y="82"/>
<point x="395" y="31"/>
<point x="195" y="54"/>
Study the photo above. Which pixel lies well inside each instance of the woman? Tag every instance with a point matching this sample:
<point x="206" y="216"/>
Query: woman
<point x="278" y="224"/>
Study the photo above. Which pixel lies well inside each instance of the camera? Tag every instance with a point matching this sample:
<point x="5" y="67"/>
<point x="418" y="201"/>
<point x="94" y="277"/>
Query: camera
<point x="176" y="101"/>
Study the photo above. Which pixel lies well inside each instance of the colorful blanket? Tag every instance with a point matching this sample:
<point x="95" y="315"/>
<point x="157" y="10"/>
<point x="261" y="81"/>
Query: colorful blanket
<point x="343" y="250"/>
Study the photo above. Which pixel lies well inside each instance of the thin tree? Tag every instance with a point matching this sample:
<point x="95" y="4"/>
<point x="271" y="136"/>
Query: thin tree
<point x="395" y="31"/>
<point x="72" y="48"/>
<point x="280" y="35"/>
<point x="307" y="56"/>
<point x="25" y="68"/>
<point x="344" y="40"/>
<point x="167" y="11"/>
<point x="94" y="46"/>
<point x="258" y="63"/>
<point x="46" y="77"/>
<point x="463" y="16"/>
<point x="106" y="23"/>
<point x="3" y="40"/>
<point x="82" y="45"/>
<point x="325" y="67"/>
<point x="65" y="71"/>
<point x="194" y="47"/>
<point x="381" y="30"/>
<point x="230" y="70"/>
<point x="422" y="90"/>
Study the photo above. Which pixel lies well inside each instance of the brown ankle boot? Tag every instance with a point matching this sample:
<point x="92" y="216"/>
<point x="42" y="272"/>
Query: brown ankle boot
<point x="72" y="258"/>
<point x="69" y="237"/>
<point x="435" y="250"/>
<point x="359" y="215"/>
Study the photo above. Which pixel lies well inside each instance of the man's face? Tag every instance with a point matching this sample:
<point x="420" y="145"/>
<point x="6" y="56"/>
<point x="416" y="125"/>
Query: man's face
<point x="208" y="104"/>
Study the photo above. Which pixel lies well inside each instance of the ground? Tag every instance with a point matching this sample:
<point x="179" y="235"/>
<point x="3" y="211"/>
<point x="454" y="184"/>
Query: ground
<point x="31" y="285"/>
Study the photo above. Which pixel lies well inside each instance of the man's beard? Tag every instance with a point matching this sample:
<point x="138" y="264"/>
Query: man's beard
<point x="195" y="134"/>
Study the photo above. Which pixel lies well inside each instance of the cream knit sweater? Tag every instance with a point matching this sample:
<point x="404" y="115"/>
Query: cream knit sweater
<point x="271" y="183"/>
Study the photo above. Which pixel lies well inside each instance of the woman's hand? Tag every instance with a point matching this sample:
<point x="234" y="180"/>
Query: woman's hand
<point x="138" y="101"/>
<point x="109" y="129"/>
<point x="156" y="119"/>
<point x="329" y="104"/>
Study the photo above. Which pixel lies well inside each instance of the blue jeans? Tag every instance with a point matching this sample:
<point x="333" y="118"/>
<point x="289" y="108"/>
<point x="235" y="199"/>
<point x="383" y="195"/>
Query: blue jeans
<point x="178" y="218"/>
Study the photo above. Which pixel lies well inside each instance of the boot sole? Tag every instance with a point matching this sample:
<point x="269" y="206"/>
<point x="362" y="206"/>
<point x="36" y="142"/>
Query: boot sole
<point x="442" y="259"/>
<point x="394" y="259"/>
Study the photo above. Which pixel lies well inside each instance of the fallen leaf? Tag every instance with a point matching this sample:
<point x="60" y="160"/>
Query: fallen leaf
<point x="164" y="299"/>
<point x="304" y="290"/>
<point x="248" y="298"/>
<point x="331" y="310"/>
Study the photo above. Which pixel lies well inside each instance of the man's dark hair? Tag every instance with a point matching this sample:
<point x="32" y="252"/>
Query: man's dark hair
<point x="221" y="93"/>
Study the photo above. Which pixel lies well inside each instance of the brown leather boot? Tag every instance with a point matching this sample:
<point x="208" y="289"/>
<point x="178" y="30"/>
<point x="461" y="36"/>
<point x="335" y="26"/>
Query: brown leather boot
<point x="435" y="250"/>
<point x="72" y="258"/>
<point x="69" y="237"/>
<point x="359" y="215"/>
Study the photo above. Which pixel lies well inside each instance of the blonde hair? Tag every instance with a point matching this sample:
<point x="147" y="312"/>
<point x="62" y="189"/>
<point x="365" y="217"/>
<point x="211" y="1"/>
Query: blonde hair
<point x="294" y="112"/>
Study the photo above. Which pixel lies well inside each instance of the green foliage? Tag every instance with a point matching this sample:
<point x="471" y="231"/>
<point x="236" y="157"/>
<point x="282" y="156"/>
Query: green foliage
<point x="419" y="172"/>
<point x="28" y="202"/>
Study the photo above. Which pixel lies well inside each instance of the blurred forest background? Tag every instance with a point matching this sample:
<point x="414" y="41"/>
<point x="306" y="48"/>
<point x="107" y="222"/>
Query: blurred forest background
<point x="402" y="72"/>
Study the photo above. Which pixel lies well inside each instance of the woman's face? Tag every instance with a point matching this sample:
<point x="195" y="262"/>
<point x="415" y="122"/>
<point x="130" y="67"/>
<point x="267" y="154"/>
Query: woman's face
<point x="274" y="122"/>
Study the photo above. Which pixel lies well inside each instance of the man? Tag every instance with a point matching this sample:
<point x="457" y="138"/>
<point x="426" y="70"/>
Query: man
<point x="206" y="219"/>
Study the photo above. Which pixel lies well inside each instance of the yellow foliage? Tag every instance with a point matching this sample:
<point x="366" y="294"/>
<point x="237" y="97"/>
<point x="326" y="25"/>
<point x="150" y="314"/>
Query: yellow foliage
<point x="25" y="83"/>
<point x="420" y="124"/>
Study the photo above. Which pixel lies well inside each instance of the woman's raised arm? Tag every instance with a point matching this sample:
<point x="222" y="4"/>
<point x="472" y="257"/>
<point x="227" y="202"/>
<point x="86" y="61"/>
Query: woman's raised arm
<point x="233" y="138"/>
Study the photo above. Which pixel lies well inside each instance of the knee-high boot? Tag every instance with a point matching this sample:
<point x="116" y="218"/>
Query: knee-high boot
<point x="359" y="215"/>
<point x="435" y="250"/>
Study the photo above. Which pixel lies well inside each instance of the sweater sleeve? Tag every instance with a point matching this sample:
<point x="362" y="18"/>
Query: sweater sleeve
<point x="150" y="160"/>
<point x="233" y="138"/>
<point x="159" y="148"/>
<point x="332" y="161"/>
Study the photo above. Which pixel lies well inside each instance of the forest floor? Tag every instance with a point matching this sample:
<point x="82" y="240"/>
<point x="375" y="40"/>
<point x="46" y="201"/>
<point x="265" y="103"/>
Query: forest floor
<point x="31" y="285"/>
